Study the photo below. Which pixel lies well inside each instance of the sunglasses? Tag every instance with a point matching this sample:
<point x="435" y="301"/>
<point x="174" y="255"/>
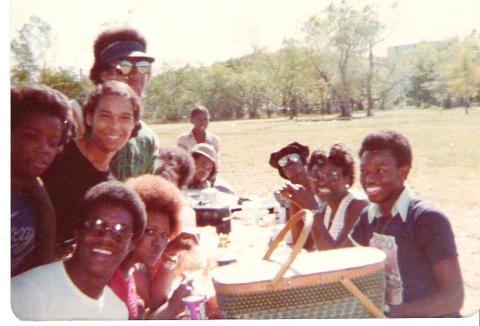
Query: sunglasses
<point x="330" y="176"/>
<point x="294" y="157"/>
<point x="125" y="67"/>
<point x="119" y="232"/>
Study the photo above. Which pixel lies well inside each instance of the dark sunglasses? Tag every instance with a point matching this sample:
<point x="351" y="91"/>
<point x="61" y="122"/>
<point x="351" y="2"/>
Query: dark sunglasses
<point x="119" y="232"/>
<point x="125" y="67"/>
<point x="294" y="157"/>
<point x="330" y="176"/>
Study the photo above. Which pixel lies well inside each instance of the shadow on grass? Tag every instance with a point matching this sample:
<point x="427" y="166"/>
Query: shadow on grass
<point x="334" y="118"/>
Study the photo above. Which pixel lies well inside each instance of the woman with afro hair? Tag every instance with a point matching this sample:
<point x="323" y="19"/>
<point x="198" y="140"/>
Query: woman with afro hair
<point x="331" y="176"/>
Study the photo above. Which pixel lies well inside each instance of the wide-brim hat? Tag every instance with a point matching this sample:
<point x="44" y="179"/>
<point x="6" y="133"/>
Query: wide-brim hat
<point x="295" y="147"/>
<point x="124" y="49"/>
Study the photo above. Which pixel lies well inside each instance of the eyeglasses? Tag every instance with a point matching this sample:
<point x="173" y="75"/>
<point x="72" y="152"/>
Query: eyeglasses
<point x="119" y="232"/>
<point x="125" y="67"/>
<point x="330" y="176"/>
<point x="294" y="157"/>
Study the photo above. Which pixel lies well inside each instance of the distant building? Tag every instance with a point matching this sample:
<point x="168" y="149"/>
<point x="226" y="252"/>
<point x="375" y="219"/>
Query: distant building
<point x="398" y="50"/>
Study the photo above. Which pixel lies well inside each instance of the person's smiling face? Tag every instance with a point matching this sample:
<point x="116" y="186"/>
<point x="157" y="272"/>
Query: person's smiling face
<point x="105" y="239"/>
<point x="112" y="123"/>
<point x="380" y="176"/>
<point x="35" y="143"/>
<point x="203" y="167"/>
<point x="328" y="181"/>
<point x="200" y="121"/>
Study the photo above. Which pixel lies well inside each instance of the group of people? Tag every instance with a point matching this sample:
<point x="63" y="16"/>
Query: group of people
<point x="97" y="215"/>
<point x="423" y="277"/>
<point x="98" y="218"/>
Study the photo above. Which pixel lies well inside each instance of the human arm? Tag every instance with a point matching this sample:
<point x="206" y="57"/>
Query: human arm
<point x="299" y="198"/>
<point x="182" y="142"/>
<point x="149" y="144"/>
<point x="434" y="238"/>
<point x="174" y="306"/>
<point x="446" y="299"/>
<point x="45" y="224"/>
<point x="161" y="283"/>
<point x="216" y="145"/>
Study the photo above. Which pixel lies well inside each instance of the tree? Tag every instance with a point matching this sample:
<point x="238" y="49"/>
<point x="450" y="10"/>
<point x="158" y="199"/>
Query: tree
<point x="372" y="30"/>
<point x="66" y="81"/>
<point x="427" y="59"/>
<point x="340" y="28"/>
<point x="464" y="70"/>
<point x="292" y="75"/>
<point x="171" y="94"/>
<point x="29" y="51"/>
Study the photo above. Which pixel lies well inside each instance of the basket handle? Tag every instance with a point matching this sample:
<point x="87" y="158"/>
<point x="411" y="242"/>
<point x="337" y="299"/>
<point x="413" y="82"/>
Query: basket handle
<point x="364" y="300"/>
<point x="307" y="217"/>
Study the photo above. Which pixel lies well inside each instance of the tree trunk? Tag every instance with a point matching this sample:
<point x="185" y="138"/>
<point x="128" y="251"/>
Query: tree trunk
<point x="369" y="82"/>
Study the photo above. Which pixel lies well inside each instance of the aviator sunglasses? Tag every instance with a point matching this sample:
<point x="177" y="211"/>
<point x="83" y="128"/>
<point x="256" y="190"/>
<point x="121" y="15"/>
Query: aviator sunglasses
<point x="294" y="157"/>
<point x="125" y="67"/>
<point x="119" y="232"/>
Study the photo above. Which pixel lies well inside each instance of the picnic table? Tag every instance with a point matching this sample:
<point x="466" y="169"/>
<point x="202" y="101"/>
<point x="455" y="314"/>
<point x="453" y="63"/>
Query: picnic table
<point x="251" y="227"/>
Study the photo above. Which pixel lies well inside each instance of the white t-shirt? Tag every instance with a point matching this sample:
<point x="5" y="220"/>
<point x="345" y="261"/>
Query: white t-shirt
<point x="187" y="141"/>
<point x="47" y="293"/>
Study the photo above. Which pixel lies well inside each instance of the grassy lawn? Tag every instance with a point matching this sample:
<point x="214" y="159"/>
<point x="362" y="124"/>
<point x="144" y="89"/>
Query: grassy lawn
<point x="446" y="164"/>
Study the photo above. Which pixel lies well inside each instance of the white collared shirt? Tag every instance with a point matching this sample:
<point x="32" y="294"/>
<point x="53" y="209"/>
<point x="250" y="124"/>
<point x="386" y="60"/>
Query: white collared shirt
<point x="400" y="207"/>
<point x="187" y="141"/>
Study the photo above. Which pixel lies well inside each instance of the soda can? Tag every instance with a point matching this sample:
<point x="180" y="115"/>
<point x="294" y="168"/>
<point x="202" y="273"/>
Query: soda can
<point x="195" y="306"/>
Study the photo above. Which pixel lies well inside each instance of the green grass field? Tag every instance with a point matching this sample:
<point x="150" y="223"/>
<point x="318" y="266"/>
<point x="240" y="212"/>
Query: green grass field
<point x="446" y="162"/>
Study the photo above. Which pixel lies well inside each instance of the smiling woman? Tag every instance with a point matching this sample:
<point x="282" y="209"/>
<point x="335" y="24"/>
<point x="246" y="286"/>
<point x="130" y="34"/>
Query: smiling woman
<point x="111" y="117"/>
<point x="331" y="175"/>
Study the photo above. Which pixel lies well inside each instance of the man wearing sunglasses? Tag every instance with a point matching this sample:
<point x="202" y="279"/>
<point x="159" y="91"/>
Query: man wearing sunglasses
<point x="120" y="54"/>
<point x="112" y="219"/>
<point x="290" y="161"/>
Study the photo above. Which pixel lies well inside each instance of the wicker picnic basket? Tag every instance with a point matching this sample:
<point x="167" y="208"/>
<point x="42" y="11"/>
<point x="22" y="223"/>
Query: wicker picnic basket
<point x="339" y="283"/>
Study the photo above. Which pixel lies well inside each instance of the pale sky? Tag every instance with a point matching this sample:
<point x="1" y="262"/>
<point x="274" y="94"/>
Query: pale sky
<point x="199" y="32"/>
<point x="204" y="31"/>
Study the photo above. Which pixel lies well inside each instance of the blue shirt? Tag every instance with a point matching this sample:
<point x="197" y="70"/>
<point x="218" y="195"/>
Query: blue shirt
<point x="22" y="231"/>
<point x="414" y="238"/>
